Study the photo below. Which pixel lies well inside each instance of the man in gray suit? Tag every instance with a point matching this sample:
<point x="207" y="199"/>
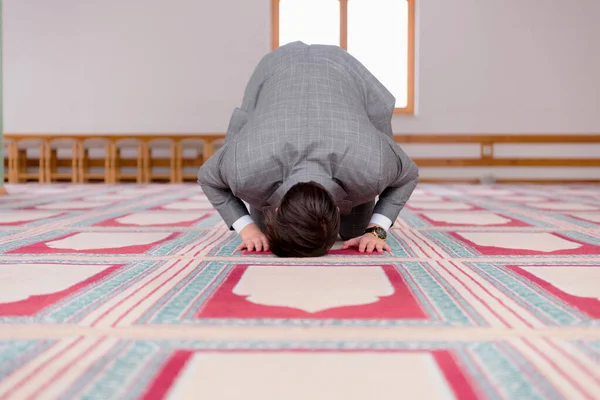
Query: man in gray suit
<point x="310" y="150"/>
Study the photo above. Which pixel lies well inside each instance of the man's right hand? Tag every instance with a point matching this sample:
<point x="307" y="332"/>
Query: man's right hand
<point x="253" y="239"/>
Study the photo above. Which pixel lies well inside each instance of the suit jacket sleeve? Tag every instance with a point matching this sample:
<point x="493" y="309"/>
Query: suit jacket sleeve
<point x="401" y="176"/>
<point x="214" y="177"/>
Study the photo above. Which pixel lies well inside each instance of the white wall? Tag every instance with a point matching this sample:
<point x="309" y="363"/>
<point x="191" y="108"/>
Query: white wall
<point x="510" y="66"/>
<point x="485" y="66"/>
<point x="129" y="65"/>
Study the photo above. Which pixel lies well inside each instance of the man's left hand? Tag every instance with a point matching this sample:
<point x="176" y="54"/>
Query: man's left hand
<point x="367" y="243"/>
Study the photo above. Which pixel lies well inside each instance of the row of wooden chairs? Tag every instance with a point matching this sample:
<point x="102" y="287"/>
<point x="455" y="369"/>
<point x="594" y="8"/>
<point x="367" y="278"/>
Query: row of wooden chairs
<point x="108" y="159"/>
<point x="176" y="158"/>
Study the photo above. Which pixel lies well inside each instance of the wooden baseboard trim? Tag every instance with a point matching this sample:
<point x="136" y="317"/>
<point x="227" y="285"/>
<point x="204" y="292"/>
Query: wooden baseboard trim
<point x="475" y="181"/>
<point x="550" y="181"/>
<point x="450" y="180"/>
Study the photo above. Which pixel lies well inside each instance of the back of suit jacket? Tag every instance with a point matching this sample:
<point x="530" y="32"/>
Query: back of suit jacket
<point x="310" y="113"/>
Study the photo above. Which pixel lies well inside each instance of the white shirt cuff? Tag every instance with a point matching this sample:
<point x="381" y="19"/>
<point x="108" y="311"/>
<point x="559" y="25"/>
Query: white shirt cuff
<point x="242" y="223"/>
<point x="382" y="221"/>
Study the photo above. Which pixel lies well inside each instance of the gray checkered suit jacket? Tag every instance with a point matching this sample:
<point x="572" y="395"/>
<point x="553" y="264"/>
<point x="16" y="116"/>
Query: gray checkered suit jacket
<point x="310" y="113"/>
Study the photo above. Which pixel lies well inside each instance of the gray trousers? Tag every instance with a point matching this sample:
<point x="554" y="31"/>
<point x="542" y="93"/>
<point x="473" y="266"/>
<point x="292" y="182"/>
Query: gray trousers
<point x="351" y="225"/>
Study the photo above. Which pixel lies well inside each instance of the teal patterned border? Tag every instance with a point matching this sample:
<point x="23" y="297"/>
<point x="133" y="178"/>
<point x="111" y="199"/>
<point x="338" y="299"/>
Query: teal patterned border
<point x="589" y="348"/>
<point x="15" y="354"/>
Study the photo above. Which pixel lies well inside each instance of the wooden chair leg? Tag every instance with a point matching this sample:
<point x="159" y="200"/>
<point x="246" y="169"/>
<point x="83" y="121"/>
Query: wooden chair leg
<point x="75" y="162"/>
<point x="147" y="163"/>
<point x="52" y="165"/>
<point x="140" y="165"/>
<point x="8" y="171"/>
<point x="107" y="163"/>
<point x="44" y="163"/>
<point x="179" y="162"/>
<point x="83" y="166"/>
<point x="22" y="170"/>
<point x="143" y="163"/>
<point x="13" y="163"/>
<point x="9" y="166"/>
<point x="116" y="165"/>
<point x="111" y="163"/>
<point x="48" y="163"/>
<point x="5" y="166"/>
<point x="208" y="149"/>
<point x="173" y="163"/>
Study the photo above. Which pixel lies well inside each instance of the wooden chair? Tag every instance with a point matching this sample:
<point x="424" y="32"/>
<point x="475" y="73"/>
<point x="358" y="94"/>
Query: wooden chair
<point x="120" y="162"/>
<point x="87" y="163"/>
<point x="160" y="160"/>
<point x="54" y="165"/>
<point x="189" y="158"/>
<point x="26" y="166"/>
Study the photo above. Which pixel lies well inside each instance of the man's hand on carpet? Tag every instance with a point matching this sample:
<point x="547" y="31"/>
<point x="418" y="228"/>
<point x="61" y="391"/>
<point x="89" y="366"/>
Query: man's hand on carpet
<point x="253" y="239"/>
<point x="367" y="243"/>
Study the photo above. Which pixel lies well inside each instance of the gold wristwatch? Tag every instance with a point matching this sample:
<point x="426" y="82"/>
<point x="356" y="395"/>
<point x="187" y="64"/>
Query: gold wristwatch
<point x="377" y="231"/>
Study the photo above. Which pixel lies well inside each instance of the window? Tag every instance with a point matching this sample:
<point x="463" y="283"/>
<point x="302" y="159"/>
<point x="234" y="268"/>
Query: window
<point x="379" y="33"/>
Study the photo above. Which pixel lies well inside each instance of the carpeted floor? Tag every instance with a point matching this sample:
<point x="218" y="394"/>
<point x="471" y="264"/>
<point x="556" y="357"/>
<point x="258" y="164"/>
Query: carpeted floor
<point x="126" y="292"/>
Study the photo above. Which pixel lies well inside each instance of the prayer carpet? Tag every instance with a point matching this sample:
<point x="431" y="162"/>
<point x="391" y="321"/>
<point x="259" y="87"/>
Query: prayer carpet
<point x="137" y="292"/>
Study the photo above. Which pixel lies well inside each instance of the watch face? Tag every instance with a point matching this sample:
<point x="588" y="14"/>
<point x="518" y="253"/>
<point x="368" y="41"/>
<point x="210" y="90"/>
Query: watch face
<point x="381" y="232"/>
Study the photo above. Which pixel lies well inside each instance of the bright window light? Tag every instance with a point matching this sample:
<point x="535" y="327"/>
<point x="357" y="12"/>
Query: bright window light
<point x="309" y="21"/>
<point x="378" y="38"/>
<point x="377" y="34"/>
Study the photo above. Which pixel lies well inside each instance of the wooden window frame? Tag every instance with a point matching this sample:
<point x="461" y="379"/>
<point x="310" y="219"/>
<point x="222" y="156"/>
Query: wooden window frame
<point x="410" y="101"/>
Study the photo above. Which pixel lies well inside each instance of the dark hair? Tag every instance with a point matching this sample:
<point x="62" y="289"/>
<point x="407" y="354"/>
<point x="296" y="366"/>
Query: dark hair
<point x="306" y="224"/>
